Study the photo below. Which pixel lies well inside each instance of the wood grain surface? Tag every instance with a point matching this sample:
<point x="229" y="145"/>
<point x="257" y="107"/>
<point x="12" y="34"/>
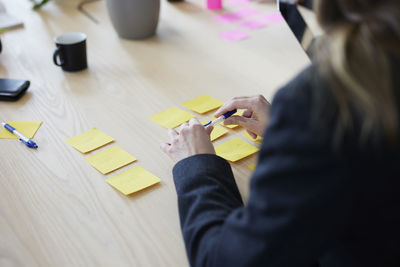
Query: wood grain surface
<point x="57" y="210"/>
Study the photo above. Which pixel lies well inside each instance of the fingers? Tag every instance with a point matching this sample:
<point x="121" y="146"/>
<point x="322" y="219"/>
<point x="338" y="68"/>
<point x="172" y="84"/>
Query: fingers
<point x="239" y="120"/>
<point x="172" y="133"/>
<point x="209" y="129"/>
<point x="247" y="113"/>
<point x="165" y="147"/>
<point x="248" y="123"/>
<point x="243" y="102"/>
<point x="194" y="121"/>
<point x="253" y="135"/>
<point x="183" y="125"/>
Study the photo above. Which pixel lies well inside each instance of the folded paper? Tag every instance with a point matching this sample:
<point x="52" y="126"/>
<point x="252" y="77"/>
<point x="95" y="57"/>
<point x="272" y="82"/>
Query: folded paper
<point x="26" y="128"/>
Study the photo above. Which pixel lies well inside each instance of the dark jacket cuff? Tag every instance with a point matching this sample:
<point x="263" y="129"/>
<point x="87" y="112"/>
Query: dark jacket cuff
<point x="193" y="170"/>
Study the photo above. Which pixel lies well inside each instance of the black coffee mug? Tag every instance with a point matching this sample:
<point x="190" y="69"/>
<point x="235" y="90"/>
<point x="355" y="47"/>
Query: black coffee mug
<point x="70" y="53"/>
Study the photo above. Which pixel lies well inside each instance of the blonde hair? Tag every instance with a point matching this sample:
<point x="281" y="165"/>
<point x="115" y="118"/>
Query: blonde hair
<point x="362" y="37"/>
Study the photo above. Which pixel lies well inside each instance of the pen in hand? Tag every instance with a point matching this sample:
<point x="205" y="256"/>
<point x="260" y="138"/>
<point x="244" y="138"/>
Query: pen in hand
<point x="221" y="118"/>
<point x="29" y="143"/>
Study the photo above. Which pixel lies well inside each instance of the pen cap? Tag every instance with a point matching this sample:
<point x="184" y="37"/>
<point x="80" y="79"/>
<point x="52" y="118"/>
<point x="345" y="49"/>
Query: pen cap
<point x="9" y="127"/>
<point x="229" y="113"/>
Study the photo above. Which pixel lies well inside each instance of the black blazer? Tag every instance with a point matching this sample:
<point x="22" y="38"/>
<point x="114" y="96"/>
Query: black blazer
<point x="309" y="204"/>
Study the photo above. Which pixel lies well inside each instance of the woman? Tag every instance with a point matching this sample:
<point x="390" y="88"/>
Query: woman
<point x="326" y="190"/>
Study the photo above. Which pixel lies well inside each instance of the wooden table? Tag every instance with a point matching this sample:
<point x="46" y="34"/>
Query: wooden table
<point x="55" y="209"/>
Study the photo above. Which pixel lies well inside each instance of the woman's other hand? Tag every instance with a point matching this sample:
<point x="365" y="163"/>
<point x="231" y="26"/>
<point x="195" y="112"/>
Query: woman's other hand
<point x="189" y="140"/>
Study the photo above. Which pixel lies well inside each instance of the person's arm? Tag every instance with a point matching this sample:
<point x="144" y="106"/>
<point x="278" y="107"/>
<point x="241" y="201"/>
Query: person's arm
<point x="298" y="205"/>
<point x="207" y="194"/>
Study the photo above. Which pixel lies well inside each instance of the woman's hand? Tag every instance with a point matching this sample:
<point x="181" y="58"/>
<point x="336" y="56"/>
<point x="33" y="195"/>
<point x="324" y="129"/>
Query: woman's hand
<point x="254" y="118"/>
<point x="190" y="139"/>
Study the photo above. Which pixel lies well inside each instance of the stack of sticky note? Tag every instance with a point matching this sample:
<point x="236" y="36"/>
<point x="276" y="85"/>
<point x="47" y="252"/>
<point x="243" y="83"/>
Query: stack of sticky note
<point x="111" y="159"/>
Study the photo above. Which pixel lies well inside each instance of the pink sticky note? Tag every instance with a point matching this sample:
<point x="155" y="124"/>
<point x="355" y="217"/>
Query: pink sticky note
<point x="234" y="35"/>
<point x="238" y="2"/>
<point x="253" y="24"/>
<point x="272" y="18"/>
<point x="246" y="12"/>
<point x="214" y="4"/>
<point x="227" y="18"/>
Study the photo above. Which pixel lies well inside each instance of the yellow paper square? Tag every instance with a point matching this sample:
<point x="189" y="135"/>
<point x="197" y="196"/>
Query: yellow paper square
<point x="27" y="128"/>
<point x="217" y="131"/>
<point x="235" y="149"/>
<point x="253" y="166"/>
<point x="233" y="126"/>
<point x="110" y="159"/>
<point x="238" y="113"/>
<point x="203" y="104"/>
<point x="258" y="140"/>
<point x="133" y="180"/>
<point x="89" y="140"/>
<point x="172" y="117"/>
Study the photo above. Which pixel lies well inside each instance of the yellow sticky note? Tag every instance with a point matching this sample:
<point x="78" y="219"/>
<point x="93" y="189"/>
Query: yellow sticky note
<point x="238" y="113"/>
<point x="172" y="117"/>
<point x="110" y="159"/>
<point x="27" y="128"/>
<point x="203" y="104"/>
<point x="252" y="167"/>
<point x="235" y="149"/>
<point x="232" y="126"/>
<point x="217" y="131"/>
<point x="89" y="140"/>
<point x="133" y="180"/>
<point x="258" y="140"/>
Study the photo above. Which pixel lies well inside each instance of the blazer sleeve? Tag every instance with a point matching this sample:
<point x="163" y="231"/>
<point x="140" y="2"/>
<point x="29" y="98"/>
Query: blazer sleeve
<point x="299" y="199"/>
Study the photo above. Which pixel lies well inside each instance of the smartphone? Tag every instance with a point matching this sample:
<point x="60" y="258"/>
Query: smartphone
<point x="12" y="90"/>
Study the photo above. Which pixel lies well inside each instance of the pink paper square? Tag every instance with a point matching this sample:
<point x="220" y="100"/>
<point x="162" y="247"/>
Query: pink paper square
<point x="246" y="12"/>
<point x="272" y="18"/>
<point x="214" y="4"/>
<point x="234" y="35"/>
<point x="253" y="24"/>
<point x="238" y="2"/>
<point x="227" y="18"/>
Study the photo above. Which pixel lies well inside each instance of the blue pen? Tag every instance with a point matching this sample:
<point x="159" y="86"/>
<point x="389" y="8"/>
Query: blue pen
<point x="221" y="118"/>
<point x="24" y="139"/>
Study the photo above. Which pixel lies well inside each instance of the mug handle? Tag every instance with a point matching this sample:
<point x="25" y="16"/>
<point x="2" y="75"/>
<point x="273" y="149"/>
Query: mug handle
<point x="55" y="55"/>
